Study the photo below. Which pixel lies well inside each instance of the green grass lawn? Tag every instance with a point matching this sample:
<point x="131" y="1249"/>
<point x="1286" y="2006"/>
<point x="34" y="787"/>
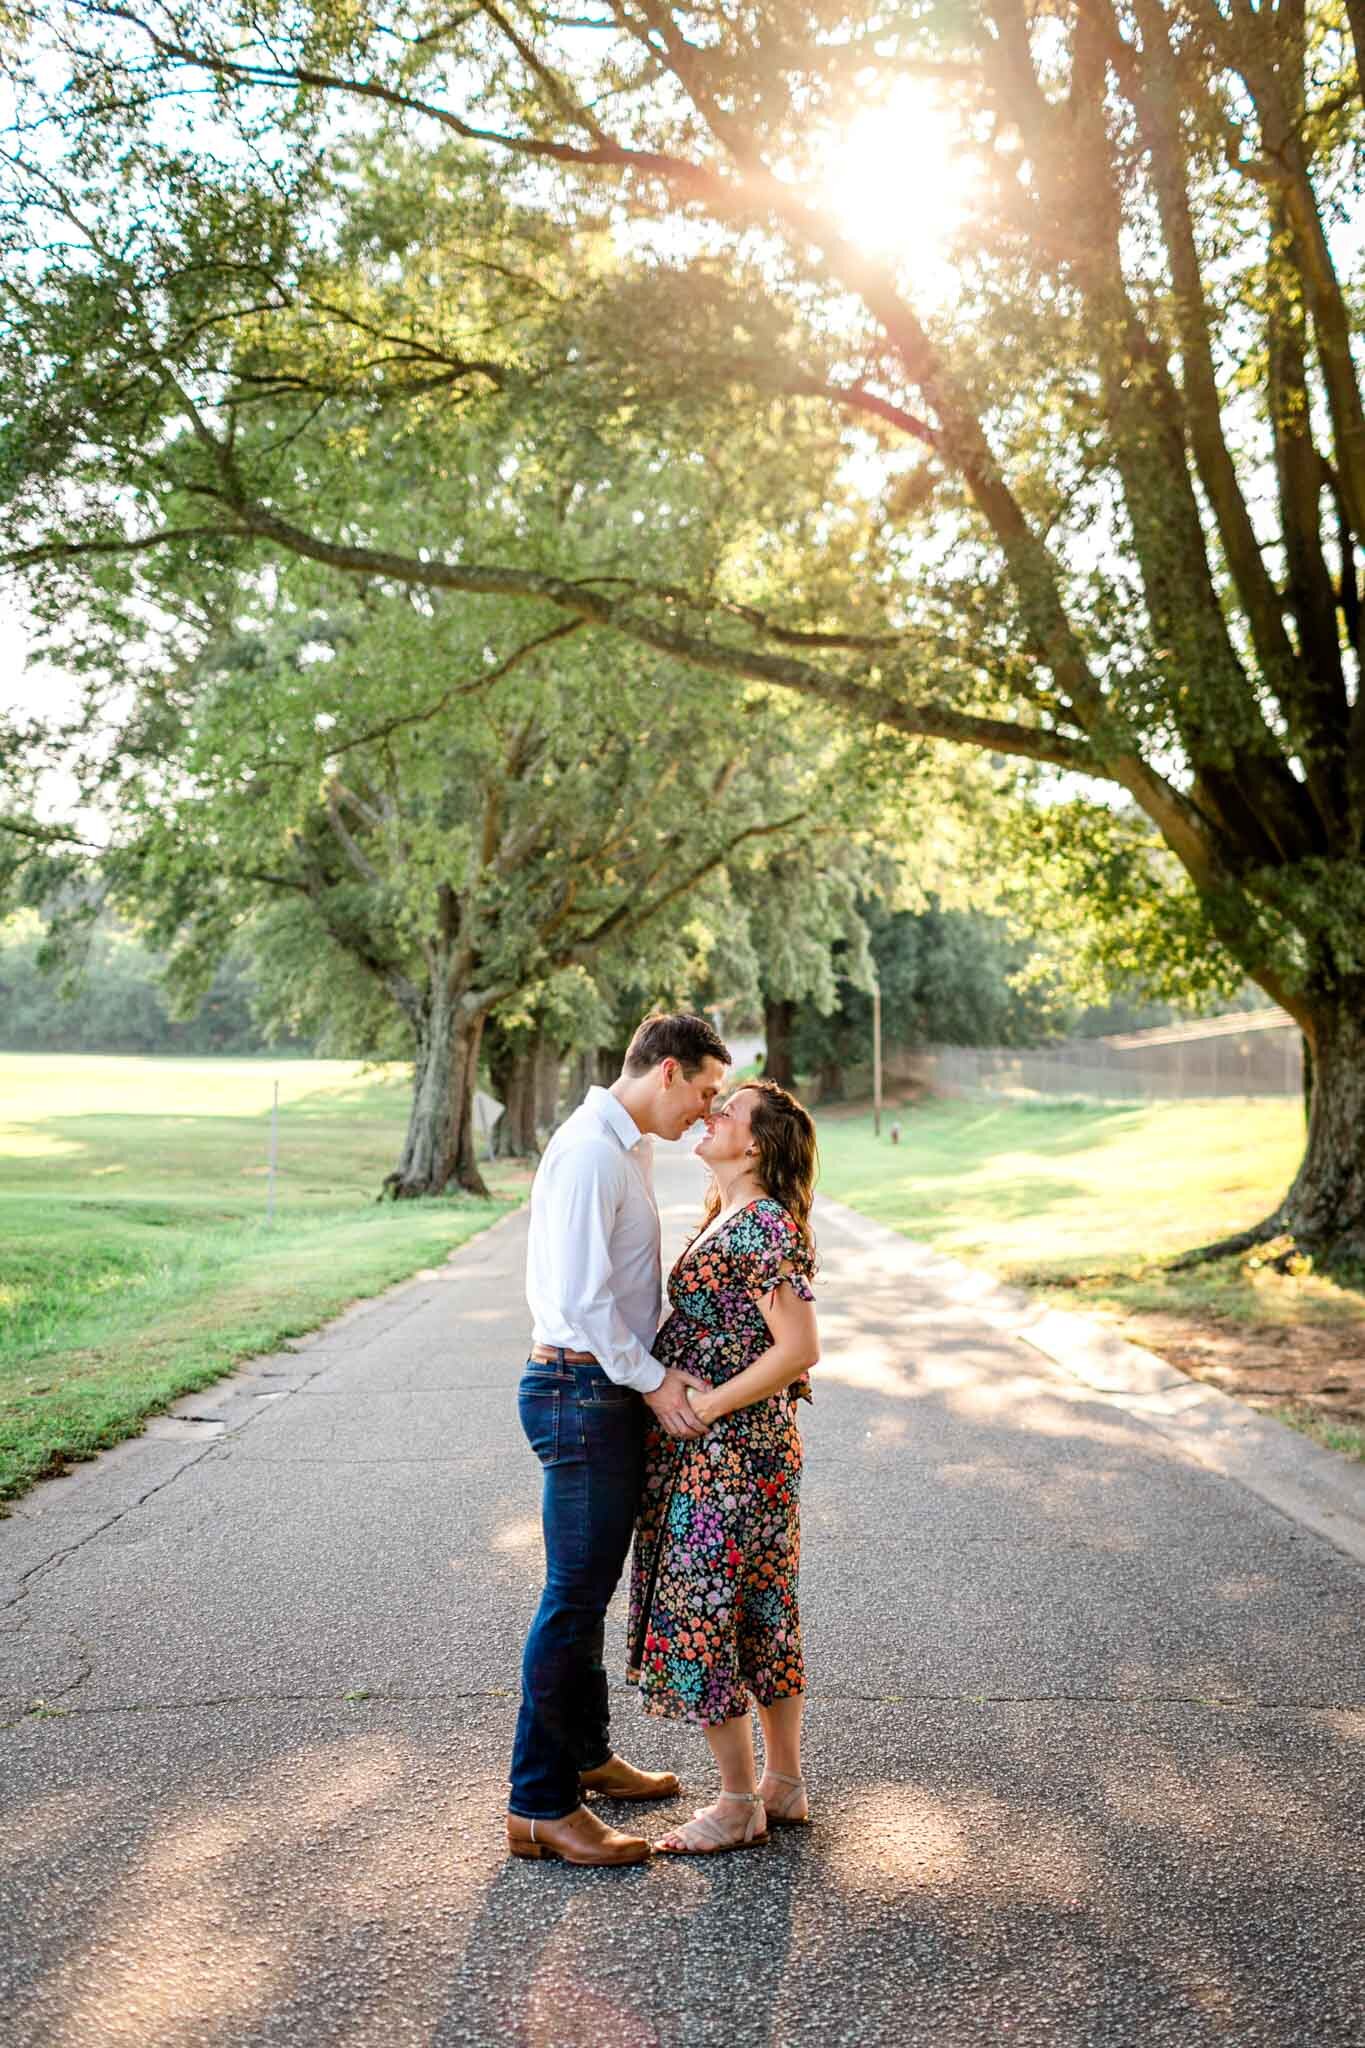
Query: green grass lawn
<point x="136" y="1263"/>
<point x="1052" y="1190"/>
<point x="1088" y="1204"/>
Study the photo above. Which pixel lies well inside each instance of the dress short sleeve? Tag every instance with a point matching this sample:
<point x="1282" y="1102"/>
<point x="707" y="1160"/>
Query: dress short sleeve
<point x="763" y="1242"/>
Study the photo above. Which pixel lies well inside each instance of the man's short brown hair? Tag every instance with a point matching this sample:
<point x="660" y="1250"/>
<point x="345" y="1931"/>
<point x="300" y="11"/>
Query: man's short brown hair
<point x="686" y="1039"/>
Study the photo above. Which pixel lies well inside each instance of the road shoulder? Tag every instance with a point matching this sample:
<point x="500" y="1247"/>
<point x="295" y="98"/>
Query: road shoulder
<point x="1311" y="1486"/>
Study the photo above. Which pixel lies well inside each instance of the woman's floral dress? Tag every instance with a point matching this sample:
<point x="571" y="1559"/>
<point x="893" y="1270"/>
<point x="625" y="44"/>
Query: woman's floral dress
<point x="713" y="1612"/>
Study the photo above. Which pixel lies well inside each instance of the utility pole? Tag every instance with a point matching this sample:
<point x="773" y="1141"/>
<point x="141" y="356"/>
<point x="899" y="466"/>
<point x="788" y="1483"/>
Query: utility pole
<point x="876" y="1059"/>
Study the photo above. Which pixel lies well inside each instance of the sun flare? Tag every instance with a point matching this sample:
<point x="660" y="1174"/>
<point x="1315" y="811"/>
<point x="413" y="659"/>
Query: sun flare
<point x="900" y="182"/>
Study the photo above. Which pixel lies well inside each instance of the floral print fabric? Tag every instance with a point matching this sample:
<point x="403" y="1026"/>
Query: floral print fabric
<point x="717" y="1543"/>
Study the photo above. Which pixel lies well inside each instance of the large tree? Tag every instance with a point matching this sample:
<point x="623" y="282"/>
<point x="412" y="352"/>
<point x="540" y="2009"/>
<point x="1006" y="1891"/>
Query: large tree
<point x="1124" y="461"/>
<point x="806" y="930"/>
<point x="410" y="836"/>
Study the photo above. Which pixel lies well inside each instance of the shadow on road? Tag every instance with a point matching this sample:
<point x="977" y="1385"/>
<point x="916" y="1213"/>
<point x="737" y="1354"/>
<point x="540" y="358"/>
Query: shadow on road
<point x="1086" y="1736"/>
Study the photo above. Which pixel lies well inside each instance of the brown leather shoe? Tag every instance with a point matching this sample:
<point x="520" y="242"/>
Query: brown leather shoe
<point x="580" y="1837"/>
<point x="616" y="1779"/>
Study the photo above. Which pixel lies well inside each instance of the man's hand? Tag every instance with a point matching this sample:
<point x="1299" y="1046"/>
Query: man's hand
<point x="670" y="1403"/>
<point x="703" y="1405"/>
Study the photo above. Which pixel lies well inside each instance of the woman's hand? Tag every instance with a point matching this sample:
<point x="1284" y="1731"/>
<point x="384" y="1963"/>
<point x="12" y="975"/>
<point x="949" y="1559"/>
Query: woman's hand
<point x="703" y="1405"/>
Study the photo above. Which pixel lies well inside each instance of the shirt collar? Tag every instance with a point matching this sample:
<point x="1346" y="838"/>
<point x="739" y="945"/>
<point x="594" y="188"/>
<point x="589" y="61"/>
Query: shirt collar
<point x="616" y="1117"/>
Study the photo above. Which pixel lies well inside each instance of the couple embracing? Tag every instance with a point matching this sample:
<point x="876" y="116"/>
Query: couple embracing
<point x="683" y="1438"/>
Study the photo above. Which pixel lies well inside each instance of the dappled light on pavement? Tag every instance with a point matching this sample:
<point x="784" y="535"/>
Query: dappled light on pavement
<point x="1085" y="1736"/>
<point x="868" y="1368"/>
<point x="897" y="1834"/>
<point x="218" y="1916"/>
<point x="561" y="2007"/>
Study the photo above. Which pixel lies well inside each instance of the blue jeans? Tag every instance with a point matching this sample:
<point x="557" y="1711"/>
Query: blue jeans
<point x="589" y="1435"/>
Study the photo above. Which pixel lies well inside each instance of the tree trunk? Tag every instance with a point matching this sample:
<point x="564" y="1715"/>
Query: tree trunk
<point x="513" y="1074"/>
<point x="1355" y="12"/>
<point x="582" y="1075"/>
<point x="1325" y="1207"/>
<point x="610" y="1060"/>
<point x="548" y="1065"/>
<point x="779" y="1015"/>
<point x="438" y="1151"/>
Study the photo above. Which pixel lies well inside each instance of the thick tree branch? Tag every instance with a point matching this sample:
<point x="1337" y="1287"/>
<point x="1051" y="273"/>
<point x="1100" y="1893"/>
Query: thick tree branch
<point x="564" y="101"/>
<point x="1151" y="81"/>
<point x="354" y="853"/>
<point x="36" y="556"/>
<point x="769" y="629"/>
<point x="1276" y="89"/>
<point x="46" y="835"/>
<point x="857" y="398"/>
<point x="867" y="693"/>
<point x="1241" y="772"/>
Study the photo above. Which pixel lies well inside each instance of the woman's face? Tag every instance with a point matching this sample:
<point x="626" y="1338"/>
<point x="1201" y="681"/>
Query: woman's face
<point x="728" y="1136"/>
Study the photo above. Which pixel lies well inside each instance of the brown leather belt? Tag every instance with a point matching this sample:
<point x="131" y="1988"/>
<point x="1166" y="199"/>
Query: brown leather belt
<point x="554" y="1354"/>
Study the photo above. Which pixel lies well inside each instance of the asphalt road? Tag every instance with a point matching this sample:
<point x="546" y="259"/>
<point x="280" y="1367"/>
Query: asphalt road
<point x="1086" y="1735"/>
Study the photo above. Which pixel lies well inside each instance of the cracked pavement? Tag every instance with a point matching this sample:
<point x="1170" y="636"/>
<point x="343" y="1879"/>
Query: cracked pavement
<point x="1086" y="1733"/>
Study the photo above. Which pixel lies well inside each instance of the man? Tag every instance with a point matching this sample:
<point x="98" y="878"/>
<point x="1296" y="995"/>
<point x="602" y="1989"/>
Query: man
<point x="593" y="1284"/>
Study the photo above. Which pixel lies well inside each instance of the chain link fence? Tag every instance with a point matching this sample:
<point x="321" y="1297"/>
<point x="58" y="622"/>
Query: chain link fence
<point x="1257" y="1054"/>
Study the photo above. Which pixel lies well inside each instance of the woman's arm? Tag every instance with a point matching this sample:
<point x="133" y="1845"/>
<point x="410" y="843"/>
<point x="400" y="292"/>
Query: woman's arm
<point x="795" y="1347"/>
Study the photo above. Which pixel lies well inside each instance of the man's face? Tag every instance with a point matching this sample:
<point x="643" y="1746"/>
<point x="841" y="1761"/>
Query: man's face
<point x="688" y="1096"/>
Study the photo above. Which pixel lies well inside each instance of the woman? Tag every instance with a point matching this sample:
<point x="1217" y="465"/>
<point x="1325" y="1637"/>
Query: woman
<point x="713" y="1611"/>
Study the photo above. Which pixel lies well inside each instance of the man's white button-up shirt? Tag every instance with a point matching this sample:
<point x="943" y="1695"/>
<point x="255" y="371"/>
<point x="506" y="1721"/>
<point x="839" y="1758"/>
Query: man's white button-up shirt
<point x="592" y="1259"/>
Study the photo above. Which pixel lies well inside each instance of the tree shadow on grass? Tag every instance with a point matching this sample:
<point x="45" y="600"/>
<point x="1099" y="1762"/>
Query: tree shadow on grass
<point x="385" y="1097"/>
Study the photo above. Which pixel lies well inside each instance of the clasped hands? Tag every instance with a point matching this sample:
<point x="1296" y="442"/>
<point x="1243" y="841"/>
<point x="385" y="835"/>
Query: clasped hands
<point x="683" y="1404"/>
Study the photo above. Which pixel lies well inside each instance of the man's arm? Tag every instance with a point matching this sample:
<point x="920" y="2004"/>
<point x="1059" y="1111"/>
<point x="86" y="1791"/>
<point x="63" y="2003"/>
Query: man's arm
<point x="585" y="1188"/>
<point x="583" y="1194"/>
<point x="582" y="1197"/>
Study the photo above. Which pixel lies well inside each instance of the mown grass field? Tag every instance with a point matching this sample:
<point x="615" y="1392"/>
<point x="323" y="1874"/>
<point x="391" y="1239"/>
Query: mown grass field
<point x="1047" y="1190"/>
<point x="136" y="1263"/>
<point x="1088" y="1204"/>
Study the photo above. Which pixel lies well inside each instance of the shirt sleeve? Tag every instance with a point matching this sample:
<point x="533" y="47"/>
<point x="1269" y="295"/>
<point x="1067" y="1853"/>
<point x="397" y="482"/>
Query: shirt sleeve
<point x="584" y="1192"/>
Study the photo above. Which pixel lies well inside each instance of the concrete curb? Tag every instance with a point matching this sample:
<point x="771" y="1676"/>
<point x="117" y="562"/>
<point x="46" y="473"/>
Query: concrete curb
<point x="1311" y="1486"/>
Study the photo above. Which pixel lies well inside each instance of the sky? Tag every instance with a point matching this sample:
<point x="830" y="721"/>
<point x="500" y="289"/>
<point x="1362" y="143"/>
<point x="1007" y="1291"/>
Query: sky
<point x="24" y="687"/>
<point x="32" y="687"/>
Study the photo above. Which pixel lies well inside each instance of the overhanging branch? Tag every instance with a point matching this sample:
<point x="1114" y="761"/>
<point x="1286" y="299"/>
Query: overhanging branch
<point x="866" y="695"/>
<point x="132" y="544"/>
<point x="857" y="398"/>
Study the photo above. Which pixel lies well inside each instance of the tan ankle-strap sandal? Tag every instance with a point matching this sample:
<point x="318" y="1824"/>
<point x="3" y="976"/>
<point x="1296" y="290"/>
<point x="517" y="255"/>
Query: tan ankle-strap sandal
<point x="779" y="1810"/>
<point x="703" y="1836"/>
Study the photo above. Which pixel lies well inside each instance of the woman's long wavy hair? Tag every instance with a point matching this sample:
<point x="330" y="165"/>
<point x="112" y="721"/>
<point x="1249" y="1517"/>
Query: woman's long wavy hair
<point x="788" y="1159"/>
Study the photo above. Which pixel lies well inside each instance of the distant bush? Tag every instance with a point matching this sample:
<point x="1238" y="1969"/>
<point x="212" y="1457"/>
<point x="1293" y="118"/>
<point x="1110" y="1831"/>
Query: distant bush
<point x="116" y="1003"/>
